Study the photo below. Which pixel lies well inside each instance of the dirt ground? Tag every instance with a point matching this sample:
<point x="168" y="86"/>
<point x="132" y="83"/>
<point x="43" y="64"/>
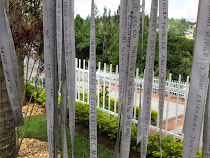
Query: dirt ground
<point x="33" y="147"/>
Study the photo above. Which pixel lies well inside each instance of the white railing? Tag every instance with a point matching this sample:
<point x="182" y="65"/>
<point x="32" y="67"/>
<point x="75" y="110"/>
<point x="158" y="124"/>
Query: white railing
<point x="107" y="77"/>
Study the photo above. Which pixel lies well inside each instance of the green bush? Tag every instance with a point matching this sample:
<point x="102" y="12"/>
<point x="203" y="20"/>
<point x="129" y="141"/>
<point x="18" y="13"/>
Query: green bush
<point x="108" y="125"/>
<point x="105" y="124"/>
<point x="42" y="100"/>
<point x="170" y="148"/>
<point x="29" y="91"/>
<point x="112" y="103"/>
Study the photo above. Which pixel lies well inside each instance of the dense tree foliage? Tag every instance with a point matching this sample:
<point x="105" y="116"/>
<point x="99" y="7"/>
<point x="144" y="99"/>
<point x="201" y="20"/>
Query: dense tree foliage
<point x="107" y="37"/>
<point x="27" y="30"/>
<point x="26" y="25"/>
<point x="180" y="49"/>
<point x="179" y="26"/>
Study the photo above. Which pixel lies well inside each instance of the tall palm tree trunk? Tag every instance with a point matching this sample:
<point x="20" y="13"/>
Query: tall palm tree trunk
<point x="7" y="127"/>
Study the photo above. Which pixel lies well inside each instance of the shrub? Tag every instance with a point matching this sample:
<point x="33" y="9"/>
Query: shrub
<point x="105" y="124"/>
<point x="108" y="125"/>
<point x="29" y="91"/>
<point x="42" y="100"/>
<point x="170" y="148"/>
<point x="112" y="103"/>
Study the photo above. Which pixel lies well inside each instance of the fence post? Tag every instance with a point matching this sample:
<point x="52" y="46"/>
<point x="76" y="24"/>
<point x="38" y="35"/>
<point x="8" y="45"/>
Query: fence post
<point x="104" y="88"/>
<point x="76" y="64"/>
<point x="137" y="74"/>
<point x="79" y="70"/>
<point x="169" y="85"/>
<point x="115" y="102"/>
<point x="201" y="136"/>
<point x="88" y="82"/>
<point x="151" y="99"/>
<point x="43" y="79"/>
<point x="99" y="69"/>
<point x="83" y="97"/>
<point x="27" y="77"/>
<point x="185" y="105"/>
<point x="177" y="105"/>
<point x="110" y="89"/>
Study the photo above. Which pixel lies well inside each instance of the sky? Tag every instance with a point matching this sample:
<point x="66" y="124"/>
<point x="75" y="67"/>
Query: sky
<point x="177" y="8"/>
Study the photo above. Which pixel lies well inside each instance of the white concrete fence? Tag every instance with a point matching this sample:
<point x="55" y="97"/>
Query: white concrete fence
<point x="106" y="76"/>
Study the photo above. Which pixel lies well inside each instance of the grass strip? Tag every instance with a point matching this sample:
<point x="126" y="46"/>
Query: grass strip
<point x="37" y="129"/>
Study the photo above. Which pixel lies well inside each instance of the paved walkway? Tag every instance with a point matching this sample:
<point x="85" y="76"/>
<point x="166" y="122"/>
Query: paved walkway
<point x="172" y="106"/>
<point x="154" y="105"/>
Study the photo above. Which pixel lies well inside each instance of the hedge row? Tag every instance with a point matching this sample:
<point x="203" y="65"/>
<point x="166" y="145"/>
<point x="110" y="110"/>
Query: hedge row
<point x="108" y="125"/>
<point x="112" y="103"/>
<point x="42" y="99"/>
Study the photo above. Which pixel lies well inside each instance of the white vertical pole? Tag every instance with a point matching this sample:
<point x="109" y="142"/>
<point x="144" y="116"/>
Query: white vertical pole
<point x="169" y="85"/>
<point x="99" y="69"/>
<point x="115" y="102"/>
<point x="201" y="136"/>
<point x="35" y="76"/>
<point x="27" y="77"/>
<point x="143" y="82"/>
<point x="104" y="86"/>
<point x="83" y="77"/>
<point x="35" y="70"/>
<point x="88" y="81"/>
<point x="42" y="79"/>
<point x="149" y="121"/>
<point x="39" y="78"/>
<point x="157" y="129"/>
<point x="76" y="64"/>
<point x="177" y="105"/>
<point x="142" y="96"/>
<point x="151" y="100"/>
<point x="109" y="89"/>
<point x="185" y="104"/>
<point x="137" y="74"/>
<point x="79" y="79"/>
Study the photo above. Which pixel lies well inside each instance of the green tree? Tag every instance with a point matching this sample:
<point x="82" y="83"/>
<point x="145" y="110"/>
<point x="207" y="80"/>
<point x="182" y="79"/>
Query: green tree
<point x="82" y="37"/>
<point x="179" y="26"/>
<point x="108" y="34"/>
<point x="27" y="30"/>
<point x="180" y="49"/>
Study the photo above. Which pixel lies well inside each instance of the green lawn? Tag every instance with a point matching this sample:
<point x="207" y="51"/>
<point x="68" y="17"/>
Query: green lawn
<point x="38" y="129"/>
